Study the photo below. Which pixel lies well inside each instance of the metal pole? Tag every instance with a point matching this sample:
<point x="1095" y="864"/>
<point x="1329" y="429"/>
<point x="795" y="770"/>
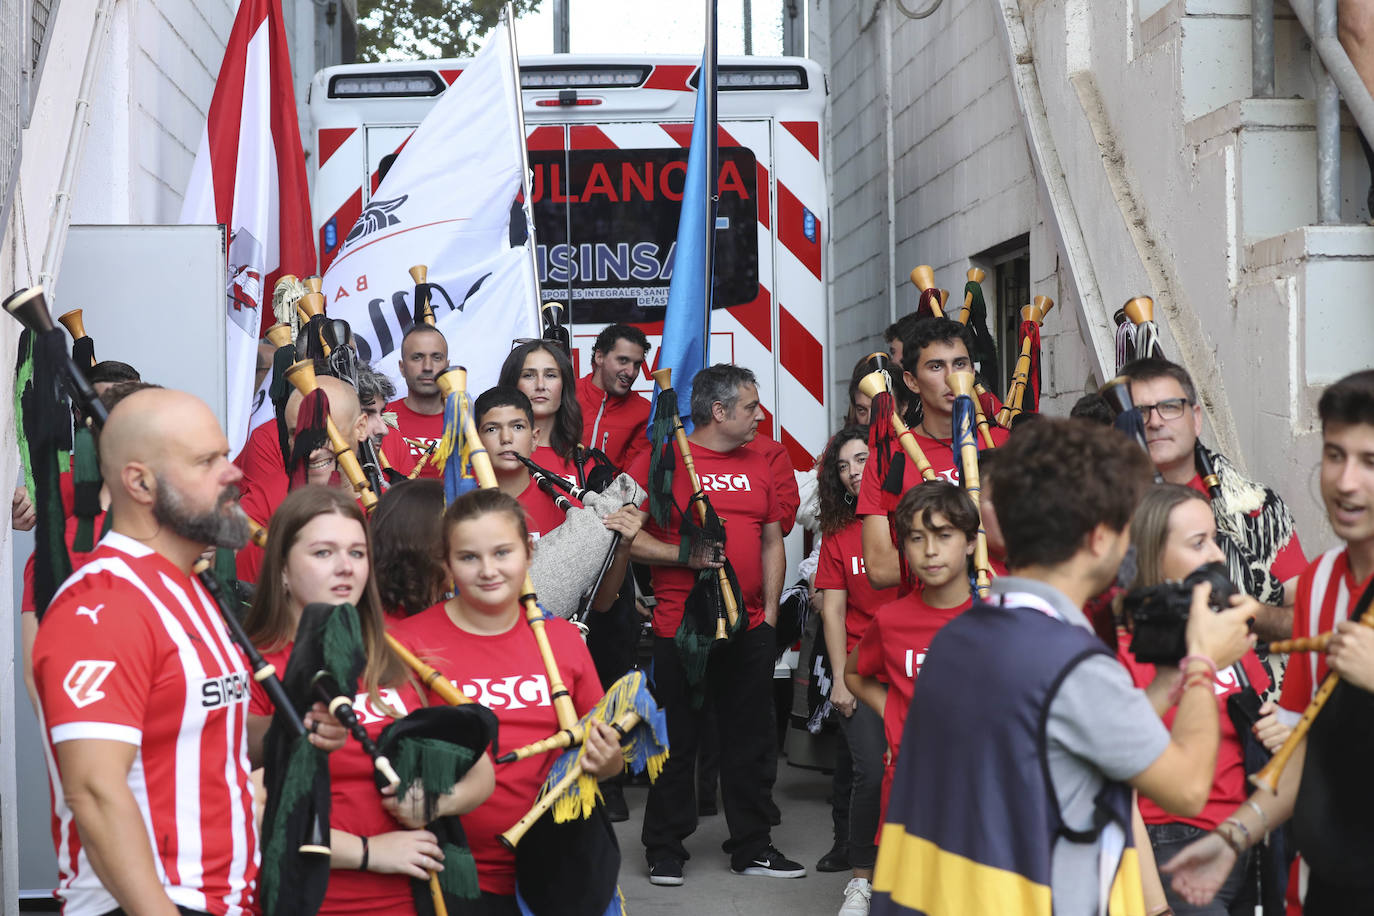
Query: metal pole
<point x="707" y="84"/>
<point x="1328" y="121"/>
<point x="562" y="26"/>
<point x="748" y="12"/>
<point x="508" y="16"/>
<point x="1262" y="49"/>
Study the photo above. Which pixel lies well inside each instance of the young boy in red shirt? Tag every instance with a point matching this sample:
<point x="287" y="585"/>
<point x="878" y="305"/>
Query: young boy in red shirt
<point x="505" y="424"/>
<point x="937" y="525"/>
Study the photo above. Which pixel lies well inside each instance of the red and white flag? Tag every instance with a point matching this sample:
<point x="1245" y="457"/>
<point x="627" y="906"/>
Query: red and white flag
<point x="250" y="176"/>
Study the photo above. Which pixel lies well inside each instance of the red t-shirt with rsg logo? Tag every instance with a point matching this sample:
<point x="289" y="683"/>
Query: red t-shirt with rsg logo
<point x="874" y="500"/>
<point x="424" y="428"/>
<point x="842" y="566"/>
<point x="739" y="484"/>
<point x="505" y="674"/>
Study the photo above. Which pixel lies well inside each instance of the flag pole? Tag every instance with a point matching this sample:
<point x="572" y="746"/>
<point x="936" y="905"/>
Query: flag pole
<point x="707" y="84"/>
<point x="508" y="14"/>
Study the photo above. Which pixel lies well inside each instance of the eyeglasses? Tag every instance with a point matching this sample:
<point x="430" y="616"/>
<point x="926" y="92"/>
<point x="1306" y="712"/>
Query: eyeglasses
<point x="1169" y="409"/>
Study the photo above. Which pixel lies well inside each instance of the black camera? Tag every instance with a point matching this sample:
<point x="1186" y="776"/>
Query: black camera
<point x="1158" y="614"/>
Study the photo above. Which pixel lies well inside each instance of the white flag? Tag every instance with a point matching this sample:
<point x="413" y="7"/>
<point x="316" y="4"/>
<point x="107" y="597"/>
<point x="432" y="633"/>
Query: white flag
<point x="448" y="202"/>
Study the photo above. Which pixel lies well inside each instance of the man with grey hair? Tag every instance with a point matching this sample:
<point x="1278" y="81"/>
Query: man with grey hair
<point x="736" y="677"/>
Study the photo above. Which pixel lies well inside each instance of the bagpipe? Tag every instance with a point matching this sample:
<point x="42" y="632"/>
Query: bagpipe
<point x="933" y="300"/>
<point x="1026" y="376"/>
<point x="877" y="384"/>
<point x="555" y="319"/>
<point x="966" y="459"/>
<point x="1268" y="778"/>
<point x="29" y="307"/>
<point x="302" y="376"/>
<point x="1117" y="394"/>
<point x="571" y="562"/>
<point x="544" y="867"/>
<point x="716" y="595"/>
<point x="83" y="348"/>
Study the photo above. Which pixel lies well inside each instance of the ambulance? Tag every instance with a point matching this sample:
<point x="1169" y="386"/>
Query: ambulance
<point x="607" y="139"/>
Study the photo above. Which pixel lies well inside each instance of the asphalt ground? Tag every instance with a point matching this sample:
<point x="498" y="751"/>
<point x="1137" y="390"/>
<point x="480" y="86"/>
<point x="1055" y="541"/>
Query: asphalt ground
<point x="710" y="889"/>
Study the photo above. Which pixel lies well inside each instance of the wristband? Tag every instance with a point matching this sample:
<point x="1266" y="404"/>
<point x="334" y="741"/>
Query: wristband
<point x="1231" y="841"/>
<point x="1196" y="679"/>
<point x="1211" y="665"/>
<point x="362" y="866"/>
<point x="1264" y="818"/>
<point x="1243" y="829"/>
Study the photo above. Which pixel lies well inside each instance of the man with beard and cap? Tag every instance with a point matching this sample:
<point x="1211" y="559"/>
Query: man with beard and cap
<point x="143" y="696"/>
<point x="420" y="414"/>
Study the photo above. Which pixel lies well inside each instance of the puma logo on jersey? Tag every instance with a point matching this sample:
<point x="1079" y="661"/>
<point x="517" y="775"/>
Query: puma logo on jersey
<point x="726" y="483"/>
<point x="223" y="690"/>
<point x="514" y="692"/>
<point x="83" y="681"/>
<point x="90" y="612"/>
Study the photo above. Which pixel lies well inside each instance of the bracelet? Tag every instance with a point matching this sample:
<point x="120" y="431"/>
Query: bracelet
<point x="1264" y="818"/>
<point x="1243" y="829"/>
<point x="1231" y="841"/>
<point x="362" y="866"/>
<point x="1211" y="665"/>
<point x="1196" y="679"/>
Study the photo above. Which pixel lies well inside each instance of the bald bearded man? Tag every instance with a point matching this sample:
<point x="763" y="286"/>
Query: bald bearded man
<point x="143" y="696"/>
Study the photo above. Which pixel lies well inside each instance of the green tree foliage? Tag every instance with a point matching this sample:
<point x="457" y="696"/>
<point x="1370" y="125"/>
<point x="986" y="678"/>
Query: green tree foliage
<point x="411" y="29"/>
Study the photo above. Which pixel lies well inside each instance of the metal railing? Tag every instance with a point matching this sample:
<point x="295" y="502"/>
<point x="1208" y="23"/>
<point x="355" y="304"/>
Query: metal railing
<point x="1335" y="77"/>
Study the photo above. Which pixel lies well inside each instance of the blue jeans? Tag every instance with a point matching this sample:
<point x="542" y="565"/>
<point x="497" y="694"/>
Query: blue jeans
<point x="1237" y="895"/>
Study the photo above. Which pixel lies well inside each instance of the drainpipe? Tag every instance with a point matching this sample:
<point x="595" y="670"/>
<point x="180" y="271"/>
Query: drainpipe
<point x="60" y="214"/>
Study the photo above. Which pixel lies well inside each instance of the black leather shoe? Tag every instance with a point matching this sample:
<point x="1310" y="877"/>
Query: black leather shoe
<point x="837" y="859"/>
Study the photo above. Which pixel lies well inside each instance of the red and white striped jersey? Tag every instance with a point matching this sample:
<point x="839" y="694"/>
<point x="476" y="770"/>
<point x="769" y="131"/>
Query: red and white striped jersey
<point x="133" y="650"/>
<point x="1326" y="590"/>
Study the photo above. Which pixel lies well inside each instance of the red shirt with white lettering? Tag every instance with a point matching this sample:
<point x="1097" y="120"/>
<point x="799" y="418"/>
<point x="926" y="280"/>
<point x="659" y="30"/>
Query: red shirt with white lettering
<point x="355" y="804"/>
<point x="425" y="428"/>
<point x="874" y="499"/>
<point x="740" y="486"/>
<point x="842" y="566"/>
<point x="505" y="674"/>
<point x="1229" y="787"/>
<point x="1326" y="591"/>
<point x="133" y="650"/>
<point x="893" y="648"/>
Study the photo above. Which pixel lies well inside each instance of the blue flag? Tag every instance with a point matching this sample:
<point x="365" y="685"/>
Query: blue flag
<point x="687" y="321"/>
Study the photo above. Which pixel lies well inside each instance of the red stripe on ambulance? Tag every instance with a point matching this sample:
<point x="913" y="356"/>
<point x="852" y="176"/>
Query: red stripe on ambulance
<point x="808" y="132"/>
<point x="670" y="76"/>
<point x="755" y="317"/>
<point x="331" y="138"/>
<point x="792" y="230"/>
<point x="343" y="219"/>
<point x="801" y="353"/>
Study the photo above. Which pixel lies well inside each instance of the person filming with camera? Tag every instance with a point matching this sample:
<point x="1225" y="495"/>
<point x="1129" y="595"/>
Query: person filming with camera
<point x="1062" y="735"/>
<point x="1175" y="537"/>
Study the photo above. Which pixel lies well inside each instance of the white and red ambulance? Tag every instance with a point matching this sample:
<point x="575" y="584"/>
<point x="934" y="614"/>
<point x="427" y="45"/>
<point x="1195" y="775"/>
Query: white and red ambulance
<point x="607" y="139"/>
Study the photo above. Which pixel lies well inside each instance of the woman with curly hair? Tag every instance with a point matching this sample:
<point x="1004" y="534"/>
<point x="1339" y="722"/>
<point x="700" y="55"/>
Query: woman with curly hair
<point x="847" y="606"/>
<point x="407" y="533"/>
<point x="542" y="371"/>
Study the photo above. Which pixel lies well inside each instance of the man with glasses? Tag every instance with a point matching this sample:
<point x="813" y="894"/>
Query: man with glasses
<point x="1254" y="526"/>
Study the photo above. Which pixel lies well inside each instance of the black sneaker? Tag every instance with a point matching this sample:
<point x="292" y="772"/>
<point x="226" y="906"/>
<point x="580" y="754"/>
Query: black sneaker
<point x="666" y="873"/>
<point x="837" y="859"/>
<point x="616" y="808"/>
<point x="769" y="864"/>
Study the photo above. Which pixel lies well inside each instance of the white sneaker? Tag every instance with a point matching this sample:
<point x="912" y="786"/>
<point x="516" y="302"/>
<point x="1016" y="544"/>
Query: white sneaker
<point x="856" y="895"/>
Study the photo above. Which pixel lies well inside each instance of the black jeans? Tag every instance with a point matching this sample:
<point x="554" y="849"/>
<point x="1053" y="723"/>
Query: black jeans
<point x="1326" y="899"/>
<point x="863" y="733"/>
<point x="1238" y="893"/>
<point x="739" y="685"/>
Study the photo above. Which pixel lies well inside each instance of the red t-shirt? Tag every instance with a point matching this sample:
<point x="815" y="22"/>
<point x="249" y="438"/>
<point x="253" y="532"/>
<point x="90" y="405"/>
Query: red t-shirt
<point x="541" y="512"/>
<point x="785" y="490"/>
<point x="133" y="650"/>
<point x="616" y="426"/>
<point x="740" y="486"/>
<point x="874" y="500"/>
<point x="67" y="489"/>
<point x="893" y="648"/>
<point x="426" y="428"/>
<point x="1229" y="787"/>
<point x="1290" y="560"/>
<point x="1326" y="590"/>
<point x="842" y="566"/>
<point x="505" y="674"/>
<point x="551" y="461"/>
<point x="355" y="804"/>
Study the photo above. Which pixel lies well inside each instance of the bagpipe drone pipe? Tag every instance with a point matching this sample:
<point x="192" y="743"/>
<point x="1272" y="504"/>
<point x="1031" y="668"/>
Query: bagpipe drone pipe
<point x="30" y="309"/>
